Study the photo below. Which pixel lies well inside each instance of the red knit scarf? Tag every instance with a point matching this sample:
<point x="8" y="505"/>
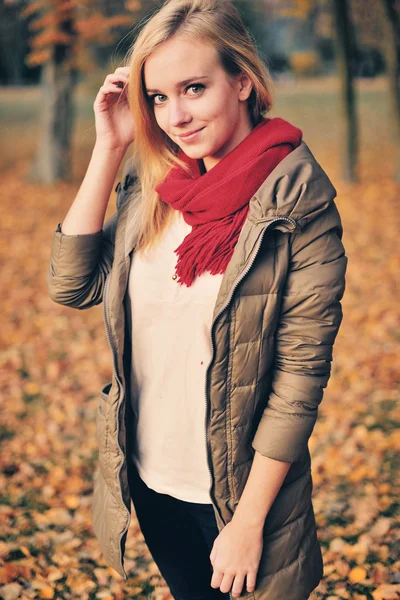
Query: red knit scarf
<point x="216" y="203"/>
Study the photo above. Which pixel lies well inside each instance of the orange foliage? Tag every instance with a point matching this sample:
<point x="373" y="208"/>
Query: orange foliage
<point x="71" y="23"/>
<point x="39" y="57"/>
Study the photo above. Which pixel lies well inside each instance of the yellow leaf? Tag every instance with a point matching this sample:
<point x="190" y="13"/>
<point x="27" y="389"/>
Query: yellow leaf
<point x="46" y="592"/>
<point x="55" y="574"/>
<point x="387" y="591"/>
<point x="72" y="501"/>
<point x="31" y="388"/>
<point x="357" y="574"/>
<point x="380" y="527"/>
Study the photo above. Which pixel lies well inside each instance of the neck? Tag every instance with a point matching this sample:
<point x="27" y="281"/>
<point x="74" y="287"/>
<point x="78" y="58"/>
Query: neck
<point x="202" y="166"/>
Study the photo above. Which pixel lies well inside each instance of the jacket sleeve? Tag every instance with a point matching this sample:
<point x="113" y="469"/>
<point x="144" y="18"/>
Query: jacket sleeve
<point x="79" y="264"/>
<point x="310" y="317"/>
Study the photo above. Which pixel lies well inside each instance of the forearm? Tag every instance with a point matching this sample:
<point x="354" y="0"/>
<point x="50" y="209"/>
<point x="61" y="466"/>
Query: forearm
<point x="265" y="479"/>
<point x="86" y="214"/>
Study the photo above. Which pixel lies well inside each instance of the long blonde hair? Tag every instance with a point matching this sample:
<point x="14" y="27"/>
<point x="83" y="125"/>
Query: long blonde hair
<point x="154" y="153"/>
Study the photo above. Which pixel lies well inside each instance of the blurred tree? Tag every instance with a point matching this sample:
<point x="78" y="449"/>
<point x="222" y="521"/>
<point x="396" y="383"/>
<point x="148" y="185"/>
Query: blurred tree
<point x="390" y="12"/>
<point x="368" y="56"/>
<point x="345" y="51"/>
<point x="63" y="33"/>
<point x="290" y="26"/>
<point x="251" y="12"/>
<point x="325" y="37"/>
<point x="12" y="44"/>
<point x="368" y="29"/>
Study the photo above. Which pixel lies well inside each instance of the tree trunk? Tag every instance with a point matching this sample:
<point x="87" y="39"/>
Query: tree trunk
<point x="12" y="45"/>
<point x="391" y="28"/>
<point x="58" y="81"/>
<point x="348" y="122"/>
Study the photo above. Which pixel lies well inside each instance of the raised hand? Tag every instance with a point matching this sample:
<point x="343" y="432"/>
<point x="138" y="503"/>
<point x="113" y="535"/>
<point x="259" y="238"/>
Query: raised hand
<point x="113" y="119"/>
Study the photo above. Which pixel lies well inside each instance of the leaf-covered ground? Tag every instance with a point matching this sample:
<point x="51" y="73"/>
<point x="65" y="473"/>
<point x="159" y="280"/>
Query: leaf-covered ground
<point x="55" y="360"/>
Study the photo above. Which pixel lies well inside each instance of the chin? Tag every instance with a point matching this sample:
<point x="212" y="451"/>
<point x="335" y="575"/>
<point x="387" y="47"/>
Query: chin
<point x="194" y="152"/>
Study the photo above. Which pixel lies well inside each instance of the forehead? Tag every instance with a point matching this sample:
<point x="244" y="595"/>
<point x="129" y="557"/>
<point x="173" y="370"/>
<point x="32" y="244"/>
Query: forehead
<point x="177" y="59"/>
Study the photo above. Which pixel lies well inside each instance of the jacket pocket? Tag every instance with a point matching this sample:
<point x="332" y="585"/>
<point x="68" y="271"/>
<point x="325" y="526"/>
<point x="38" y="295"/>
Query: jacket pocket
<point x="104" y="396"/>
<point x="288" y="544"/>
<point x="291" y="503"/>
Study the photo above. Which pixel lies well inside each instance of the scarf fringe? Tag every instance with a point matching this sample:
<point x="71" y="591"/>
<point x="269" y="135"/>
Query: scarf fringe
<point x="209" y="247"/>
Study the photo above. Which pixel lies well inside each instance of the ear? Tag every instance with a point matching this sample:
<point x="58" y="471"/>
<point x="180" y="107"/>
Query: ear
<point x="245" y="86"/>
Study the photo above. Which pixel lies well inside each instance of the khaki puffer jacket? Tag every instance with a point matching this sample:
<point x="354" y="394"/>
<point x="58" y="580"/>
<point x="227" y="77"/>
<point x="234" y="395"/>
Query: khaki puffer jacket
<point x="275" y="321"/>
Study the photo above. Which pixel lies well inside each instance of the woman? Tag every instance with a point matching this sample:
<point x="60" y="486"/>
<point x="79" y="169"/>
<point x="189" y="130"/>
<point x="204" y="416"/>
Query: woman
<point x="221" y="275"/>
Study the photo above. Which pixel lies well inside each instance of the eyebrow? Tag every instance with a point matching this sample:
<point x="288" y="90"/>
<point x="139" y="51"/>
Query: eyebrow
<point x="182" y="83"/>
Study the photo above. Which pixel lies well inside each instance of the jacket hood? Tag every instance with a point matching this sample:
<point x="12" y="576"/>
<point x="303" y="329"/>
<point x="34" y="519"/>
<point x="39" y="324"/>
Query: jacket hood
<point x="297" y="188"/>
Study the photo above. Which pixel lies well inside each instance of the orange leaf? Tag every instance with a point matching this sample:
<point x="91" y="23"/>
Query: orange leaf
<point x="357" y="574"/>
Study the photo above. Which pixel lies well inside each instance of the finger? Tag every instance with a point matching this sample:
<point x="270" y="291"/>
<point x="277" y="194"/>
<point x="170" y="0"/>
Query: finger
<point x="216" y="579"/>
<point x="110" y="88"/>
<point x="238" y="586"/>
<point x="226" y="583"/>
<point x="111" y="78"/>
<point x="122" y="70"/>
<point x="251" y="581"/>
<point x="105" y="94"/>
<point x="212" y="555"/>
<point x="119" y="75"/>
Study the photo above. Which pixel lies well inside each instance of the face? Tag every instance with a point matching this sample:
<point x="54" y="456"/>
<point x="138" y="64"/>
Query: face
<point x="189" y="91"/>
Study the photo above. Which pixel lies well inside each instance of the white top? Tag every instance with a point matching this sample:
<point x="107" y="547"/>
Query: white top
<point x="171" y="349"/>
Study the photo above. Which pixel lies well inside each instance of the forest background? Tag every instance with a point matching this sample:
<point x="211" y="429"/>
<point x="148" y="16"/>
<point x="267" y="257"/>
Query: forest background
<point x="336" y="67"/>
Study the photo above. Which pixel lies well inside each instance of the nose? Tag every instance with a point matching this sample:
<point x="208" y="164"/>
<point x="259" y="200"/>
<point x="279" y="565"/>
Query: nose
<point x="178" y="114"/>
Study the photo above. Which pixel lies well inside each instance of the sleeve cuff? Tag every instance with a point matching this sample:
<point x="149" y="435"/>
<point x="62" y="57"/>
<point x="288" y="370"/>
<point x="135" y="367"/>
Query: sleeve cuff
<point x="75" y="255"/>
<point x="283" y="437"/>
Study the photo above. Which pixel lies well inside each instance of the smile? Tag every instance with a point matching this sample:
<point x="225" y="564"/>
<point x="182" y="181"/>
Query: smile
<point x="190" y="136"/>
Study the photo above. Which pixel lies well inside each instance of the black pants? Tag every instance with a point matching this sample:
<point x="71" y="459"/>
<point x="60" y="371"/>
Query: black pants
<point x="179" y="536"/>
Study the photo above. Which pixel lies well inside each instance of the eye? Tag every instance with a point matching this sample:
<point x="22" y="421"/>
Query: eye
<point x="196" y="85"/>
<point x="193" y="85"/>
<point x="152" y="98"/>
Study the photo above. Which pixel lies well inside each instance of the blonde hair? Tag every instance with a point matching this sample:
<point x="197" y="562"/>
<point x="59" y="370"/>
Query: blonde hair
<point x="154" y="153"/>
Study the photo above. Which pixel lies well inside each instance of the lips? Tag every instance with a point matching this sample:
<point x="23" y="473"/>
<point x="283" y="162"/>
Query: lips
<point x="186" y="135"/>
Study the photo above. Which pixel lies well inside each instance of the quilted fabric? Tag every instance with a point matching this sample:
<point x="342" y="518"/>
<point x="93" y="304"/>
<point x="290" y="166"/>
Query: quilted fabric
<point x="276" y="318"/>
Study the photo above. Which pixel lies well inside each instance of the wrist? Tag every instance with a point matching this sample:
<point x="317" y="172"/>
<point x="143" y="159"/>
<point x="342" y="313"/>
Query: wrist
<point x="248" y="520"/>
<point x="106" y="149"/>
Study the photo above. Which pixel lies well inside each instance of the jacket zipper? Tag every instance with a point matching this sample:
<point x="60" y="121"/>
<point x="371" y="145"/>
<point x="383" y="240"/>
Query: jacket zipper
<point x="113" y="353"/>
<point x="109" y="339"/>
<point x="225" y="305"/>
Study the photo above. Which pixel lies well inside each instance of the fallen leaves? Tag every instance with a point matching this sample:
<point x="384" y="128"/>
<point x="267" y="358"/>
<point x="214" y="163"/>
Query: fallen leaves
<point x="387" y="592"/>
<point x="357" y="574"/>
<point x="55" y="360"/>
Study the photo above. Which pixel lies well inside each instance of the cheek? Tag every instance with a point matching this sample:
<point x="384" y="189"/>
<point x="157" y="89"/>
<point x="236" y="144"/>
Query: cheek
<point x="221" y="108"/>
